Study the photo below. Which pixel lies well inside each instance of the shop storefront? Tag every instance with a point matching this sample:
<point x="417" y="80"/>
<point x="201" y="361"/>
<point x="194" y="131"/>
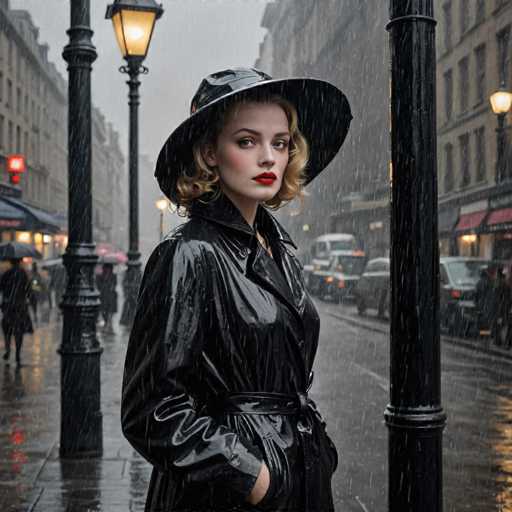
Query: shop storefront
<point x="499" y="225"/>
<point x="468" y="231"/>
<point x="446" y="222"/>
<point x="24" y="223"/>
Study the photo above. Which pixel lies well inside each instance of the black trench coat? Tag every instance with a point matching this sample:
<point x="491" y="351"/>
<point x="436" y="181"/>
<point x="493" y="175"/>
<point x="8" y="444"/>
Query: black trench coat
<point x="216" y="315"/>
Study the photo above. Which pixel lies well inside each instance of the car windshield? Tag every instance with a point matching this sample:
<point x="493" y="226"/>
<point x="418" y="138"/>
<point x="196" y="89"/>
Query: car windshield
<point x="350" y="265"/>
<point x="342" y="245"/>
<point x="466" y="272"/>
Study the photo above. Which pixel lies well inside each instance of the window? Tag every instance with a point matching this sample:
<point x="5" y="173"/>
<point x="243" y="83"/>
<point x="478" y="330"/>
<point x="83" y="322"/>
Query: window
<point x="1" y="86"/>
<point x="18" y="100"/>
<point x="448" y="94"/>
<point x="447" y="14"/>
<point x="464" y="16"/>
<point x="480" y="11"/>
<point x="464" y="160"/>
<point x="10" y="138"/>
<point x="448" y="169"/>
<point x="2" y="128"/>
<point x="25" y="145"/>
<point x="9" y="93"/>
<point x="10" y="52"/>
<point x="26" y="106"/>
<point x="463" y="84"/>
<point x="503" y="38"/>
<point x="18" y="139"/>
<point x="480" y="62"/>
<point x="480" y="153"/>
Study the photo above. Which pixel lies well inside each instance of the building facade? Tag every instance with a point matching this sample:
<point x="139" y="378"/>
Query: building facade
<point x="33" y="123"/>
<point x="344" y="42"/>
<point x="473" y="60"/>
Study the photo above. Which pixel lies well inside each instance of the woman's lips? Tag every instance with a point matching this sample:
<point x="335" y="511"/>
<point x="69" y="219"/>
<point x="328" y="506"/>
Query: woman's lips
<point x="265" y="181"/>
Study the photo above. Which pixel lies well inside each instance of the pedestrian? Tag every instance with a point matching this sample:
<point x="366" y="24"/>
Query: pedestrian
<point x="38" y="290"/>
<point x="219" y="361"/>
<point x="503" y="304"/>
<point x="485" y="301"/>
<point x="107" y="284"/>
<point x="16" y="322"/>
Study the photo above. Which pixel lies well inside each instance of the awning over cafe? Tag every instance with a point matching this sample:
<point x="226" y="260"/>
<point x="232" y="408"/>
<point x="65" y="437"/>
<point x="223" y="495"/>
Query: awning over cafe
<point x="470" y="221"/>
<point x="500" y="220"/>
<point x="15" y="214"/>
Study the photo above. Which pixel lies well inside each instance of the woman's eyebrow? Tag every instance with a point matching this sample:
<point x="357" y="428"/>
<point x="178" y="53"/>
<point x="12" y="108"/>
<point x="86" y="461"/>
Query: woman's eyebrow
<point x="280" y="134"/>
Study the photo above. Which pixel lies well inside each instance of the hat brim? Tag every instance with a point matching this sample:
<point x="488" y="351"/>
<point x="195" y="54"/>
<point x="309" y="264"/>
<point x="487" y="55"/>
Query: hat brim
<point x="324" y="119"/>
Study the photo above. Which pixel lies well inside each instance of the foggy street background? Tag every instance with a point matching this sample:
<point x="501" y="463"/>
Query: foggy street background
<point x="344" y="42"/>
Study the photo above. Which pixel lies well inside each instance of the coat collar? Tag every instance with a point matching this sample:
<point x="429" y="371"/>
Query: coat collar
<point x="222" y="211"/>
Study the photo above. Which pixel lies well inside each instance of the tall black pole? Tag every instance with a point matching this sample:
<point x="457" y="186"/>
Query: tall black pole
<point x="500" y="160"/>
<point x="133" y="272"/>
<point x="81" y="418"/>
<point x="414" y="416"/>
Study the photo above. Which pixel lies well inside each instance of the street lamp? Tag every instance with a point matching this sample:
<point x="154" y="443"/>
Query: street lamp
<point x="162" y="204"/>
<point x="133" y="21"/>
<point x="501" y="101"/>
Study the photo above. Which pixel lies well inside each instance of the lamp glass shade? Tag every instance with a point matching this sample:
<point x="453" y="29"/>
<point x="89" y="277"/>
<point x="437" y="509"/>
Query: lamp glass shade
<point x="161" y="204"/>
<point x="133" y="31"/>
<point x="501" y="101"/>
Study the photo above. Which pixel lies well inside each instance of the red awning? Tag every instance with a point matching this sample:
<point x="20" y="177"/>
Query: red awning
<point x="470" y="221"/>
<point x="500" y="217"/>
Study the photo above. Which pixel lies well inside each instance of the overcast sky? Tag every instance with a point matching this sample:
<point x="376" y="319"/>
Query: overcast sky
<point x="192" y="39"/>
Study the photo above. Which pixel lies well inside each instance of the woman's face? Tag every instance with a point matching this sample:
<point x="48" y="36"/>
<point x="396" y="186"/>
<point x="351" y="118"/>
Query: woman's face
<point x="252" y="152"/>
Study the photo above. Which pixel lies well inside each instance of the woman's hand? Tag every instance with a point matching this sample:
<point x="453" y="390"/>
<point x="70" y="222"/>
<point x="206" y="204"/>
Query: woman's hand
<point x="261" y="486"/>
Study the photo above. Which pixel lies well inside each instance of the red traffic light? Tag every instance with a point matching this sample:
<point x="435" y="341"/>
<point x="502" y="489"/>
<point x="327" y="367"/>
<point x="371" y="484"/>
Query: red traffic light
<point x="16" y="163"/>
<point x="14" y="179"/>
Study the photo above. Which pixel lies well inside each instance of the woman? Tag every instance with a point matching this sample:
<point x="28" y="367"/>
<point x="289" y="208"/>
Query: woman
<point x="15" y="290"/>
<point x="219" y="359"/>
<point x="107" y="284"/>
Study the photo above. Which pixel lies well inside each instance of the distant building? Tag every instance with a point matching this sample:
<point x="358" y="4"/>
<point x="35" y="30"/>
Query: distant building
<point x="346" y="44"/>
<point x="473" y="58"/>
<point x="33" y="123"/>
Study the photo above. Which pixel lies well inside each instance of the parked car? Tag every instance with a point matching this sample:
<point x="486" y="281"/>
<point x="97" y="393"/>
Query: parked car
<point x="458" y="279"/>
<point x="373" y="287"/>
<point x="321" y="251"/>
<point x="341" y="277"/>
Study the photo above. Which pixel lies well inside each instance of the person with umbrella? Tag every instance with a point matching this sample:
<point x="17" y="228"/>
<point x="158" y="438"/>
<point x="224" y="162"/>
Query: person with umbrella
<point x="219" y="360"/>
<point x="15" y="289"/>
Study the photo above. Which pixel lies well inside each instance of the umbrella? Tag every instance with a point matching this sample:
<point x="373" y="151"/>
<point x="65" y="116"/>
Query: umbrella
<point x="18" y="250"/>
<point x="113" y="258"/>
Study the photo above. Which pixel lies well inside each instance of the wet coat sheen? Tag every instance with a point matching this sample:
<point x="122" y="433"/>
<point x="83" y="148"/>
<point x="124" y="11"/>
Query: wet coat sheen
<point x="217" y="315"/>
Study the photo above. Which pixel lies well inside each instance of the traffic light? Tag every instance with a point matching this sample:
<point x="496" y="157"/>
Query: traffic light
<point x="15" y="167"/>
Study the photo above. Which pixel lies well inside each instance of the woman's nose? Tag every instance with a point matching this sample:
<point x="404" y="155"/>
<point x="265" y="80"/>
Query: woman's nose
<point x="267" y="158"/>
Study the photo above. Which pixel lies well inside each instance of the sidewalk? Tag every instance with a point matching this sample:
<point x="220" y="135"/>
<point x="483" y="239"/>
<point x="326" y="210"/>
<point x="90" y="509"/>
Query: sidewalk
<point x="375" y="324"/>
<point x="32" y="477"/>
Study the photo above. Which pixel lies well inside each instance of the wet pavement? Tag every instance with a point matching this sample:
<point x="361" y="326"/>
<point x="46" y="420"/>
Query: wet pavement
<point x="32" y="476"/>
<point x="350" y="388"/>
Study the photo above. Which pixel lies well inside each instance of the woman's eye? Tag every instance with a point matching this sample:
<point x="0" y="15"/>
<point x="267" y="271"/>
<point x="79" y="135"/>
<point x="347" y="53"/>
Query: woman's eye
<point x="281" y="144"/>
<point x="245" y="143"/>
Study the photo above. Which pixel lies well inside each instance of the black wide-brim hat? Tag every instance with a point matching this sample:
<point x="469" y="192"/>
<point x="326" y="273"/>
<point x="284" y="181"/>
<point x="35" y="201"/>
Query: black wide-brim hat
<point x="323" y="115"/>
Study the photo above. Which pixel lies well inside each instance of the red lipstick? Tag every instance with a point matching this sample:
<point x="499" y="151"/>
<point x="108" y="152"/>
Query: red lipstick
<point x="265" y="178"/>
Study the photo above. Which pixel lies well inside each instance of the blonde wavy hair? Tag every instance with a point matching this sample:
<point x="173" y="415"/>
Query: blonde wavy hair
<point x="203" y="181"/>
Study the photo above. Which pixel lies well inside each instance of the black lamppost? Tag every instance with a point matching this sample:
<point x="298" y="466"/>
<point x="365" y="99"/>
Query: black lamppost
<point x="81" y="418"/>
<point x="162" y="204"/>
<point x="501" y="102"/>
<point x="414" y="416"/>
<point x="133" y="21"/>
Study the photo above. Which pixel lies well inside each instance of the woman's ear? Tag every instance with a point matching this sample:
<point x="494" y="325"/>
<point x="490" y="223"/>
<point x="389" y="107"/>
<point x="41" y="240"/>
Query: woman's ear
<point x="209" y="155"/>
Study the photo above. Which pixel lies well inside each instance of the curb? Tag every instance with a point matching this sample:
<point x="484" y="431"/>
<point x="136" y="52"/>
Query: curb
<point x="472" y="344"/>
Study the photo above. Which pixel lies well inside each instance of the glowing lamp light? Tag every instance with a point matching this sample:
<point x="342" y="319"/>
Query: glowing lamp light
<point x="501" y="101"/>
<point x="162" y="204"/>
<point x="468" y="239"/>
<point x="16" y="163"/>
<point x="134" y="21"/>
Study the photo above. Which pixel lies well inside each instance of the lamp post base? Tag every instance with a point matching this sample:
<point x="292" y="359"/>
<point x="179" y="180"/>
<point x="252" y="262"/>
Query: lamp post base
<point x="131" y="284"/>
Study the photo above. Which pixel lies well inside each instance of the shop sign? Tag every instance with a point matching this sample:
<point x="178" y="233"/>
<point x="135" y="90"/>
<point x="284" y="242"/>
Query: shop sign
<point x="501" y="201"/>
<point x="5" y="223"/>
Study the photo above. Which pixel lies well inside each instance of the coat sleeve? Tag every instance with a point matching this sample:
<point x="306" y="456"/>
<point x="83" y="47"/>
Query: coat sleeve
<point x="159" y="412"/>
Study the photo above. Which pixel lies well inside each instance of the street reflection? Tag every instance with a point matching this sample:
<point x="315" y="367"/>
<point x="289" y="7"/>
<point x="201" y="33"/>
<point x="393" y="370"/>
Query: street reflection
<point x="503" y="451"/>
